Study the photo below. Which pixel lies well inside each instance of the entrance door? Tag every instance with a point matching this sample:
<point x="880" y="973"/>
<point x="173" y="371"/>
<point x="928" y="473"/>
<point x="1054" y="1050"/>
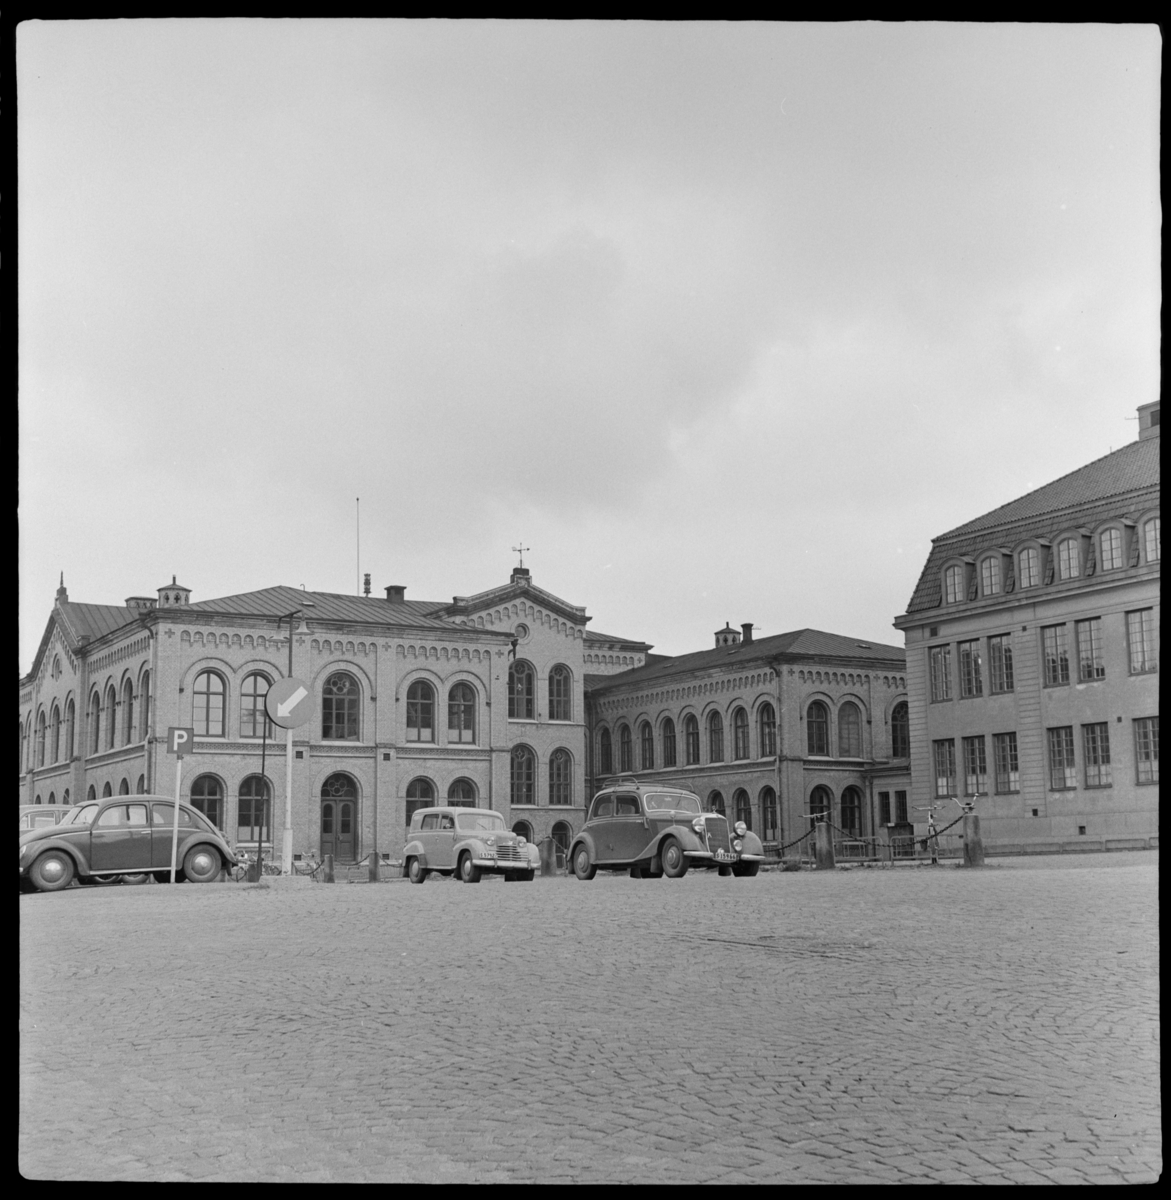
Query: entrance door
<point x="339" y="806"/>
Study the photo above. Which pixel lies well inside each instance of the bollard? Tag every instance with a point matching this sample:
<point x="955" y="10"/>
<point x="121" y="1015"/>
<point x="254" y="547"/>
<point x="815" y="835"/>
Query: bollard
<point x="373" y="868"/>
<point x="548" y="849"/>
<point x="973" y="845"/>
<point x="327" y="870"/>
<point x="824" y="847"/>
<point x="884" y="851"/>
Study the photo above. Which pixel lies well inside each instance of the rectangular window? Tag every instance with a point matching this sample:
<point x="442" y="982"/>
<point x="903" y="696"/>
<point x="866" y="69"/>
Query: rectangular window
<point x="1000" y="663"/>
<point x="945" y="767"/>
<point x="1008" y="775"/>
<point x="1056" y="655"/>
<point x="971" y="675"/>
<point x="884" y="808"/>
<point x="1029" y="567"/>
<point x="975" y="767"/>
<point x="1069" y="559"/>
<point x="1062" y="768"/>
<point x="901" y="808"/>
<point x="1151" y="543"/>
<point x="953" y="579"/>
<point x="990" y="577"/>
<point x="1096" y="750"/>
<point x="1111" y="544"/>
<point x="940" y="672"/>
<point x="1140" y="637"/>
<point x="1089" y="650"/>
<point x="1146" y="749"/>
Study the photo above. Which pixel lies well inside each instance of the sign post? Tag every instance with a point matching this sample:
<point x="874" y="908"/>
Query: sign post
<point x="289" y="703"/>
<point x="179" y="742"/>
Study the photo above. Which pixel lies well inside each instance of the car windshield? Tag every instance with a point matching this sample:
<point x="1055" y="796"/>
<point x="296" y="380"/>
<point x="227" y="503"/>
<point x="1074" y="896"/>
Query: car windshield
<point x="666" y="802"/>
<point x="83" y="814"/>
<point x="480" y="822"/>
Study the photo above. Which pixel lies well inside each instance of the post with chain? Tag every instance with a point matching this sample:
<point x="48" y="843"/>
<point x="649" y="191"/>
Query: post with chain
<point x="823" y="848"/>
<point x="973" y="843"/>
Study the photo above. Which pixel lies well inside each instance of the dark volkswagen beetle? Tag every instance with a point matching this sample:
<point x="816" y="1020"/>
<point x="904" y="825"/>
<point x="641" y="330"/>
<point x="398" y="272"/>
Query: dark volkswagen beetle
<point x="119" y="837"/>
<point x="651" y="830"/>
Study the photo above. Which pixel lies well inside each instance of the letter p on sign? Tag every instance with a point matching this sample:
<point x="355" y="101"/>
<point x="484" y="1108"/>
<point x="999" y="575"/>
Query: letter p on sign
<point x="180" y="741"/>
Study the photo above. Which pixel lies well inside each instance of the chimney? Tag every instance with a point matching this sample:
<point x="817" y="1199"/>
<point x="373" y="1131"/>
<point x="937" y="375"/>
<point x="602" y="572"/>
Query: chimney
<point x="396" y="593"/>
<point x="746" y="627"/>
<point x="520" y="575"/>
<point x="366" y="584"/>
<point x="1148" y="420"/>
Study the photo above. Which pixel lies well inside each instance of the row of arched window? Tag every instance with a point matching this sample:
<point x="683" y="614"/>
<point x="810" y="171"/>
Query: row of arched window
<point x="1040" y="562"/>
<point x="761" y="817"/>
<point x="820" y="723"/>
<point x="668" y="751"/>
<point x="522" y="692"/>
<point x="115" y="719"/>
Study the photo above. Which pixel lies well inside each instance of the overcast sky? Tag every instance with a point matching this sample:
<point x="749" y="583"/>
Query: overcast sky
<point x="724" y="321"/>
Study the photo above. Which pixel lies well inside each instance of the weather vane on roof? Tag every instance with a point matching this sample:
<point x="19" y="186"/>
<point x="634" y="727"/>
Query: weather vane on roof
<point x="521" y="551"/>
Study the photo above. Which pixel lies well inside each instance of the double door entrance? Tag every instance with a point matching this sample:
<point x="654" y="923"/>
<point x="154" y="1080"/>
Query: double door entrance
<point x="339" y="824"/>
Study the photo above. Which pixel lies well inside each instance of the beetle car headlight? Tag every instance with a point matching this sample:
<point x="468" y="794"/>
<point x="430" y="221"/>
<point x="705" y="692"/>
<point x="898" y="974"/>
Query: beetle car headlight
<point x="490" y="841"/>
<point x="737" y="845"/>
<point x="519" y="840"/>
<point x="740" y="828"/>
<point x="697" y="825"/>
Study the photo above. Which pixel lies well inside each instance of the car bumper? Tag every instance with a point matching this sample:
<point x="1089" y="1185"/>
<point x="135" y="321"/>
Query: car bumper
<point x="494" y="864"/>
<point x="722" y="858"/>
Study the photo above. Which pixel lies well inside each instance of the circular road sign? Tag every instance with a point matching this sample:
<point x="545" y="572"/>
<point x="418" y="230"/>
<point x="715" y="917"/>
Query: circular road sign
<point x="289" y="703"/>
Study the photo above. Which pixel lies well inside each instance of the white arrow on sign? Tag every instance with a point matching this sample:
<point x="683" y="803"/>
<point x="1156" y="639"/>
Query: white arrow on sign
<point x="287" y="707"/>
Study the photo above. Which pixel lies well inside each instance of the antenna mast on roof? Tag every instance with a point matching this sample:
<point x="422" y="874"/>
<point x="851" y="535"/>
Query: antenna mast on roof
<point x="357" y="545"/>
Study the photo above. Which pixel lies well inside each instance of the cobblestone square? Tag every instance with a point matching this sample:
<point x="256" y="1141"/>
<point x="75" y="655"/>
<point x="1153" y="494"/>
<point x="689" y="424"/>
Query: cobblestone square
<point x="913" y="1024"/>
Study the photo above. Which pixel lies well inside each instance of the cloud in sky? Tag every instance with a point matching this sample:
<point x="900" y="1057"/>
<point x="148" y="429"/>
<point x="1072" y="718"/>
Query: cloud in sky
<point x="750" y="311"/>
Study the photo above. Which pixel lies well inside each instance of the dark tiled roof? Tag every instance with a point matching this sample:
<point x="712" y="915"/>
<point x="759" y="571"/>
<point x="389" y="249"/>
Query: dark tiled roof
<point x="592" y="635"/>
<point x="1119" y="484"/>
<point x="95" y="620"/>
<point x="800" y="644"/>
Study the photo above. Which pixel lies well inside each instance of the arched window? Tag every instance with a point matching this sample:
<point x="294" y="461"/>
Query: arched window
<point x="668" y="742"/>
<point x="715" y="737"/>
<point x="1152" y="546"/>
<point x="107" y="791"/>
<point x="817" y="728"/>
<point x="521" y="690"/>
<point x="1029" y="567"/>
<point x="420" y="712"/>
<point x="605" y="753"/>
<point x="561" y="833"/>
<point x="207" y="795"/>
<point x="144" y="708"/>
<point x="625" y="750"/>
<point x="127" y="712"/>
<point x="23" y="763"/>
<point x="461" y="713"/>
<point x="420" y="794"/>
<point x="1110" y="544"/>
<point x="740" y="734"/>
<point x="95" y="723"/>
<point x="767" y="730"/>
<point x="70" y="725"/>
<point x="92" y="793"/>
<point x="990" y="576"/>
<point x="141" y="788"/>
<point x="462" y="793"/>
<point x="900" y="731"/>
<point x="253" y="717"/>
<point x="560" y="694"/>
<point x="691" y="739"/>
<point x="743" y="806"/>
<point x="1068" y="559"/>
<point x="768" y="814"/>
<point x="849" y="731"/>
<point x="65" y="796"/>
<point x="953" y="584"/>
<point x="339" y="707"/>
<point x="820" y="803"/>
<point x="646" y="740"/>
<point x="523" y="776"/>
<point x="254" y="819"/>
<point x="124" y="787"/>
<point x="715" y="803"/>
<point x="41" y="738"/>
<point x="55" y="735"/>
<point x="208" y="704"/>
<point x="560" y="777"/>
<point x="523" y="830"/>
<point x="852" y="811"/>
<point x="52" y="797"/>
<point x="111" y="716"/>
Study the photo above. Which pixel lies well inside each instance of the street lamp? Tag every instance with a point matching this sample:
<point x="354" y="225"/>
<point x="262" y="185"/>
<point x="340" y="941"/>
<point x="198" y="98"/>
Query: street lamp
<point x="287" y="837"/>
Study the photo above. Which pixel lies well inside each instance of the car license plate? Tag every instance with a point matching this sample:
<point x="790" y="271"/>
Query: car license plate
<point x="723" y="856"/>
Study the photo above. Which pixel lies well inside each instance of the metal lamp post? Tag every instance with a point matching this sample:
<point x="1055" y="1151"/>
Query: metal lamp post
<point x="287" y="838"/>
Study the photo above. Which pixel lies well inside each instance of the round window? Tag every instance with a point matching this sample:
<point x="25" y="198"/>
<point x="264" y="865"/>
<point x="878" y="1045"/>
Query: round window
<point x="522" y="630"/>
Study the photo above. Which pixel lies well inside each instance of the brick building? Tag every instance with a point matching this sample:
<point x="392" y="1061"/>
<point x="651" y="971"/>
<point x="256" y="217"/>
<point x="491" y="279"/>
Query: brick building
<point x="477" y="701"/>
<point x="766" y="730"/>
<point x="1032" y="644"/>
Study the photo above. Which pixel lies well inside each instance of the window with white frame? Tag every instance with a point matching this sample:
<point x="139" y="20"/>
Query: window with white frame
<point x="971" y="669"/>
<point x="420" y="712"/>
<point x="1089" y="650"/>
<point x="945" y="766"/>
<point x="560" y="778"/>
<point x="1062" y="767"/>
<point x="990" y="576"/>
<point x="1029" y="567"/>
<point x="208" y="698"/>
<point x="1151" y="543"/>
<point x="560" y="694"/>
<point x="1140" y="637"/>
<point x="1055" y="653"/>
<point x="975" y="767"/>
<point x="953" y="584"/>
<point x="521" y="691"/>
<point x="1096" y="754"/>
<point x="849" y="731"/>
<point x="461" y="713"/>
<point x="1008" y="775"/>
<point x="1110" y="549"/>
<point x="1069" y="564"/>
<point x="940" y="664"/>
<point x="1146" y="746"/>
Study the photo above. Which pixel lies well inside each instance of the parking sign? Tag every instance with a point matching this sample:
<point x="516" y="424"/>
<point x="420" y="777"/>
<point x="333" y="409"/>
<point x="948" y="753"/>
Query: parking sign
<point x="180" y="741"/>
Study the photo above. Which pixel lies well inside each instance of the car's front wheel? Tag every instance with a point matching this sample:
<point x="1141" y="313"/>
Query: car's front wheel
<point x="583" y="868"/>
<point x="202" y="865"/>
<point x="468" y="871"/>
<point x="525" y="876"/>
<point x="674" y="860"/>
<point x="52" y="872"/>
<point x="416" y="872"/>
<point x="725" y="870"/>
<point x="746" y="870"/>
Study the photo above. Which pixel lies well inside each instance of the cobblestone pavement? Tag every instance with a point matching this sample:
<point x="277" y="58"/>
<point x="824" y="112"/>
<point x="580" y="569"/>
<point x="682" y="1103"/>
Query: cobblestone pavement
<point x="909" y="1025"/>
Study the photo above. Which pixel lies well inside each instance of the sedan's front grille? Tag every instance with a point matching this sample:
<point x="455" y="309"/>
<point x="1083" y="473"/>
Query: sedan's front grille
<point x="510" y="854"/>
<point x="717" y="833"/>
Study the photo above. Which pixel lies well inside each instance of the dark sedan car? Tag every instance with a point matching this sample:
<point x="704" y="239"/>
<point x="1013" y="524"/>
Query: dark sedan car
<point x="656" y="831"/>
<point x="122" y="836"/>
